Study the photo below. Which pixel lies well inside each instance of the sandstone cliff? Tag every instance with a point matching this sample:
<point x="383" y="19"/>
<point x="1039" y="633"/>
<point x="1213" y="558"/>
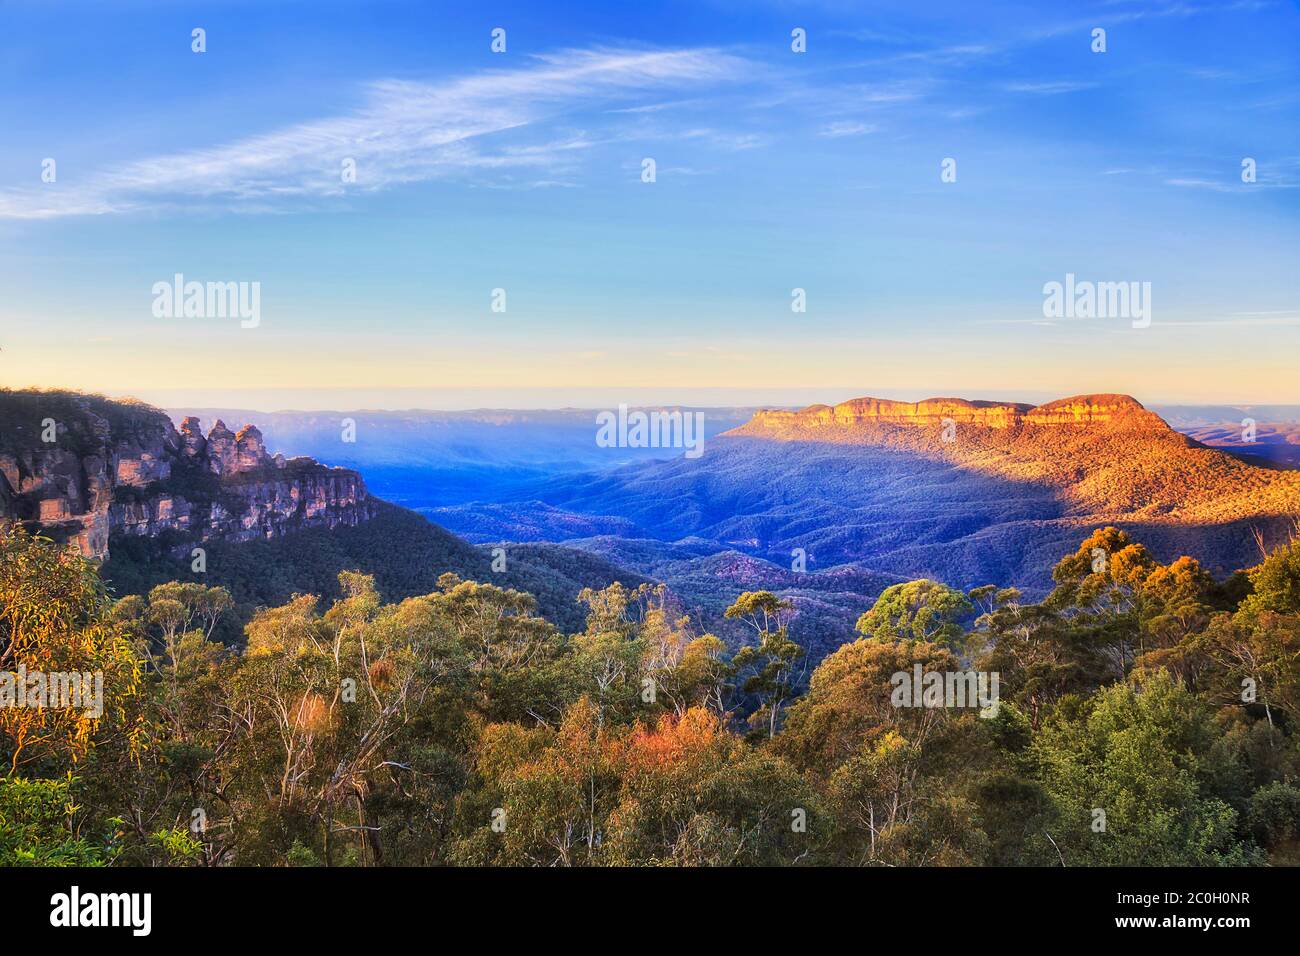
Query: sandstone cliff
<point x="85" y="469"/>
<point x="1080" y="410"/>
<point x="1103" y="455"/>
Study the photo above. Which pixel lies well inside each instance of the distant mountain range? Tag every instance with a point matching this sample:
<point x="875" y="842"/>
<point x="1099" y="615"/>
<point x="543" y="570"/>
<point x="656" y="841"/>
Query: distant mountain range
<point x="1261" y="434"/>
<point x="432" y="458"/>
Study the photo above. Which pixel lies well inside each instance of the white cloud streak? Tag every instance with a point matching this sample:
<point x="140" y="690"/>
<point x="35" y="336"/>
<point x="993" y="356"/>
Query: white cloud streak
<point x="847" y="128"/>
<point x="404" y="132"/>
<point x="1050" y="87"/>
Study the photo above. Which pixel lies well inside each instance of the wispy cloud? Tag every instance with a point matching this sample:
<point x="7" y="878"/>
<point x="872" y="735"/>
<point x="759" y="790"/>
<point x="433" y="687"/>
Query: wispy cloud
<point x="404" y="132"/>
<point x="1148" y="12"/>
<point x="1237" y="320"/>
<point x="1211" y="184"/>
<point x="869" y="35"/>
<point x="656" y="107"/>
<point x="719" y="138"/>
<point x="847" y="128"/>
<point x="1050" y="87"/>
<point x="941" y="55"/>
<point x="1231" y="186"/>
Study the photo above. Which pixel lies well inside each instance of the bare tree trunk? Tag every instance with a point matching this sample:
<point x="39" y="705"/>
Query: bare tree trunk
<point x="369" y="830"/>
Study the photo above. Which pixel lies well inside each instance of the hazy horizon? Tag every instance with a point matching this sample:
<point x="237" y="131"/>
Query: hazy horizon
<point x="557" y="400"/>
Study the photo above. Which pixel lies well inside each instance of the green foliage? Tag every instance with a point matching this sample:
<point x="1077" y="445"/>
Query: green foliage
<point x="55" y="617"/>
<point x="36" y="825"/>
<point x="459" y="724"/>
<point x="917" y="611"/>
<point x="176" y="846"/>
<point x="1276" y="582"/>
<point x="300" y="855"/>
<point x="1126" y="774"/>
<point x="1274" y="820"/>
<point x="768" y="669"/>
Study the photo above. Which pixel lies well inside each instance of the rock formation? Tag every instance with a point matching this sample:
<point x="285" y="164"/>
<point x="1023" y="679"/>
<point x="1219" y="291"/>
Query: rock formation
<point x="193" y="442"/>
<point x="1080" y="410"/>
<point x="121" y="468"/>
<point x="221" y="449"/>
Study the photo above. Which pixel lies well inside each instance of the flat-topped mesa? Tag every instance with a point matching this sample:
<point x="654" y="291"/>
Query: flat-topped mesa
<point x="931" y="411"/>
<point x="1079" y="410"/>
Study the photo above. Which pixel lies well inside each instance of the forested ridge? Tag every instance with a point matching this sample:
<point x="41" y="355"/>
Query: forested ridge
<point x="1146" y="715"/>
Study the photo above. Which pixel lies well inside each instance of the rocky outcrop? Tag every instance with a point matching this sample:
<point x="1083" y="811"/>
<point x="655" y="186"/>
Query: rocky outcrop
<point x="249" y="453"/>
<point x="1090" y="410"/>
<point x="222" y="451"/>
<point x="934" y="412"/>
<point x="83" y="468"/>
<point x="193" y="444"/>
<point x="232" y="453"/>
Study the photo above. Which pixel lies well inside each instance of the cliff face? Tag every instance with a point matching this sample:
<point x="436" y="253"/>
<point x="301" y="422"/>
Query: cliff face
<point x="83" y="468"/>
<point x="1080" y="410"/>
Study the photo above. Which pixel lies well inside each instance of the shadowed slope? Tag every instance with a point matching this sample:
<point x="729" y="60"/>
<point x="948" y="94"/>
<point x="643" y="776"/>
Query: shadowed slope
<point x="872" y="488"/>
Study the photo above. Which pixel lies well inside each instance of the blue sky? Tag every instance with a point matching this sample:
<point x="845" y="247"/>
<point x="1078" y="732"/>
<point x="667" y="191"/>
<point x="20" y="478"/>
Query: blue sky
<point x="775" y="170"/>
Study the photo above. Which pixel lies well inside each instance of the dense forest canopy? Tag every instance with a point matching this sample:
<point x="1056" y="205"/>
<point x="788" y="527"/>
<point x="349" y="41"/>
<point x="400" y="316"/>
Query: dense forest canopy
<point x="1146" y="715"/>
